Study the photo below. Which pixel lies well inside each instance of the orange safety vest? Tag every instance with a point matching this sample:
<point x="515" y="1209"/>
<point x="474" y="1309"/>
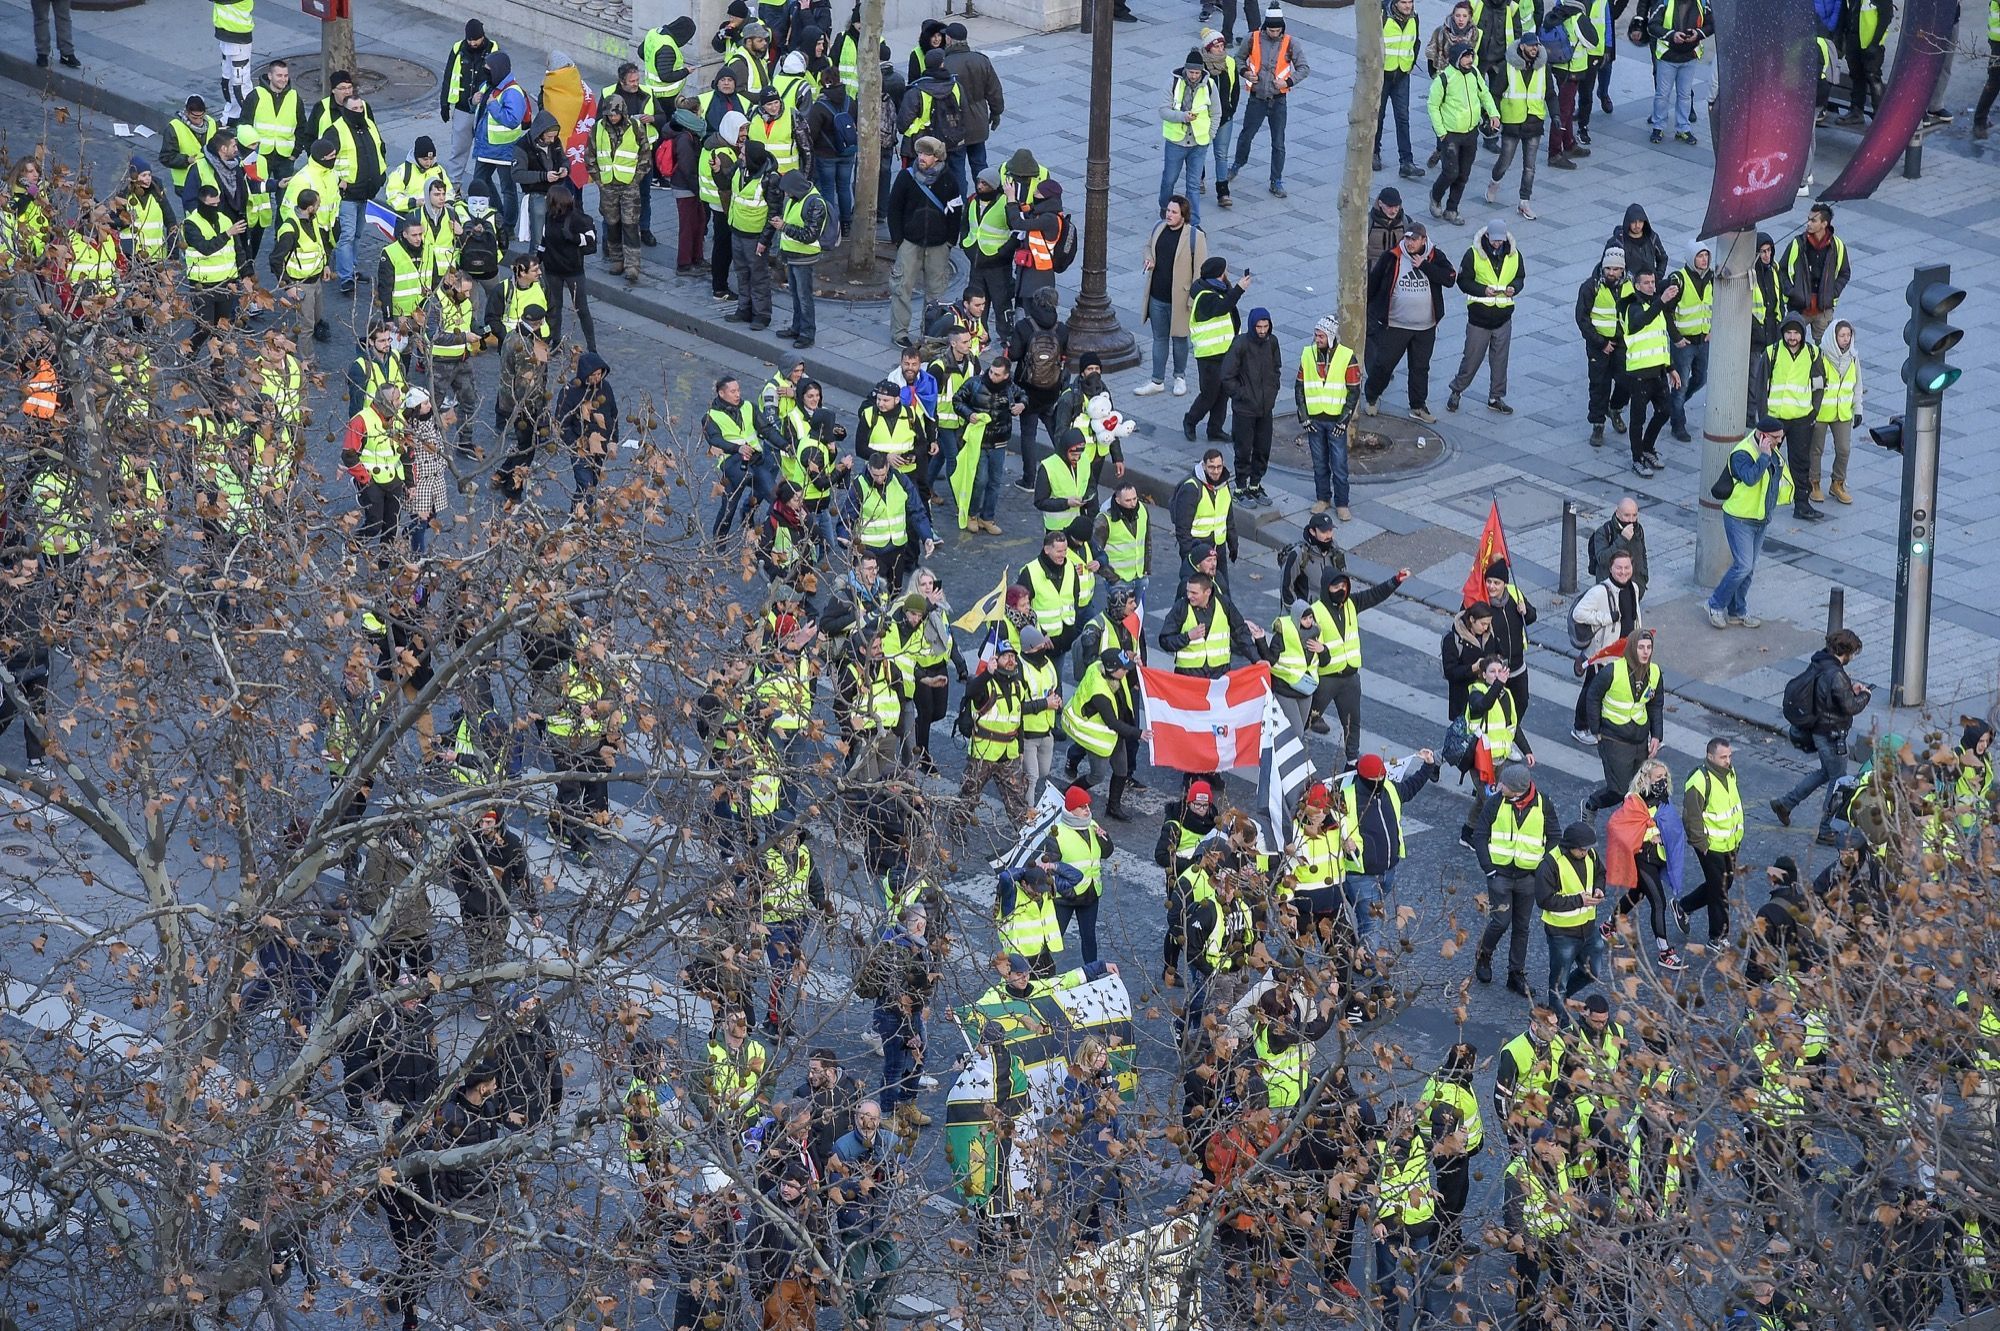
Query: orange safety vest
<point x="1042" y="249"/>
<point x="41" y="401"/>
<point x="1280" y="72"/>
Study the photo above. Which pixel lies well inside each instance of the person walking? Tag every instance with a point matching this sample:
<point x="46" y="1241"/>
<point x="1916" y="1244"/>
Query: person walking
<point x="982" y="99"/>
<point x="363" y="167"/>
<point x="1187" y="123"/>
<point x="1645" y="349"/>
<point x="1524" y="111"/>
<point x="1273" y="65"/>
<point x="1758" y="486"/>
<point x="1839" y="411"/>
<point x="1610" y="611"/>
<point x="1597" y="302"/>
<point x="1386" y="222"/>
<point x="1621" y="533"/>
<point x="1836" y="701"/>
<point x="1712" y="815"/>
<point x="234" y="22"/>
<point x="1689" y="317"/>
<point x="299" y="264"/>
<point x="862" y="1175"/>
<point x="1462" y="649"/>
<point x="1584" y="27"/>
<point x="1511" y="836"/>
<point x="1251" y="373"/>
<point x="1225" y="76"/>
<point x="1814" y="271"/>
<point x="1175" y="252"/>
<point x="1569" y="887"/>
<point x="1400" y="38"/>
<point x="923" y="218"/>
<point x="1625" y="707"/>
<point x="1794" y="388"/>
<point x="269" y="126"/>
<point x="1212" y="326"/>
<point x="567" y="236"/>
<point x="1491" y="275"/>
<point x="1039" y="344"/>
<point x="751" y="190"/>
<point x="1678" y="30"/>
<point x="1460" y="104"/>
<point x="1405" y="305"/>
<point x="1323" y="394"/>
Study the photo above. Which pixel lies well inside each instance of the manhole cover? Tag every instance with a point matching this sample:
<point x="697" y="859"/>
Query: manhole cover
<point x="1380" y="448"/>
<point x="384" y="80"/>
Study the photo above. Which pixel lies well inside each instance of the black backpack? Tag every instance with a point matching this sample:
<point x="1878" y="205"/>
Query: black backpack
<point x="1801" y="701"/>
<point x="1065" y="254"/>
<point x="479" y="250"/>
<point x="948" y="119"/>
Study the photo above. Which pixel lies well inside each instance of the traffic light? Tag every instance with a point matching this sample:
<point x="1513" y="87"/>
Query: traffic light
<point x="1889" y="436"/>
<point x="1928" y="335"/>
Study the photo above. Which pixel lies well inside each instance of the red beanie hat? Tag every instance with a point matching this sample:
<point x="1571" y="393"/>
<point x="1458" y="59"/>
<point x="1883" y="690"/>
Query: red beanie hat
<point x="1076" y="797"/>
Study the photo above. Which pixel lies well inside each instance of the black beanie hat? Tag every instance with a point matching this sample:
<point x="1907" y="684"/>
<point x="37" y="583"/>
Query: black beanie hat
<point x="1213" y="268"/>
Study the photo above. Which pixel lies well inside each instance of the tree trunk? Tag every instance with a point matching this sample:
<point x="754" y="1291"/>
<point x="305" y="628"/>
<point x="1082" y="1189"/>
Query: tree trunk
<point x="336" y="49"/>
<point x="861" y="262"/>
<point x="1358" y="178"/>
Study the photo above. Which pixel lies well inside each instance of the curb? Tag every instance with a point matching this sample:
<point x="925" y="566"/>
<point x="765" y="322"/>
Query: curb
<point x="60" y="83"/>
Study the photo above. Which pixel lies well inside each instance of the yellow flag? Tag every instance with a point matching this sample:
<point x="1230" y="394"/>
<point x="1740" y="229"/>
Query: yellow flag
<point x="985" y="610"/>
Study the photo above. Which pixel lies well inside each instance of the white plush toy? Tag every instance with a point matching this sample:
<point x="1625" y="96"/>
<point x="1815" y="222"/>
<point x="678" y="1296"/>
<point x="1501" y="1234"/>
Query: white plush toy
<point x="1107" y="425"/>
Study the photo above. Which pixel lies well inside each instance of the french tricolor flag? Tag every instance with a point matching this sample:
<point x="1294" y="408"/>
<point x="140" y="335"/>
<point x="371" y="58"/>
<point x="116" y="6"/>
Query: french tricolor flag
<point x="1206" y="725"/>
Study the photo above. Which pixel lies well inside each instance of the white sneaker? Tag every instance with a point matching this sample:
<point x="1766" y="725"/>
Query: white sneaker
<point x="1148" y="389"/>
<point x="1583" y="737"/>
<point x="873" y="1041"/>
<point x="927" y="1082"/>
<point x="1180" y="386"/>
<point x="41" y="771"/>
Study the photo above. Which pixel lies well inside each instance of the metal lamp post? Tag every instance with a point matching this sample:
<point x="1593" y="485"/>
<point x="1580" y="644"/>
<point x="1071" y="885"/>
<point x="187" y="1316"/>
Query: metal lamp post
<point x="1093" y="325"/>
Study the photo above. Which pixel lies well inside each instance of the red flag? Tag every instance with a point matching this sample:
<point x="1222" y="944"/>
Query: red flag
<point x="1492" y="546"/>
<point x="1206" y="725"/>
<point x="1612" y="651"/>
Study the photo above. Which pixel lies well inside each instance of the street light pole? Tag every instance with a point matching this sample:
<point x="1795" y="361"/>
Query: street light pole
<point x="1093" y="324"/>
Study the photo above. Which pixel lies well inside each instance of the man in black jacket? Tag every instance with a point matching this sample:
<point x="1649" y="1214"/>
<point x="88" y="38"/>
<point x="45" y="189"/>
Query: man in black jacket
<point x="1212" y="299"/>
<point x="979" y="92"/>
<point x="1836" y="700"/>
<point x="1030" y="346"/>
<point x="1491" y="275"/>
<point x="1405" y="303"/>
<point x="1250" y="376"/>
<point x="489" y="875"/>
<point x="923" y="218"/>
<point x="1510" y="859"/>
<point x="1512" y="613"/>
<point x="539" y="162"/>
<point x="1645" y="346"/>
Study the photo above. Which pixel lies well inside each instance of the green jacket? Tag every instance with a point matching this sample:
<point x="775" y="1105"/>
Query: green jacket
<point x="1459" y="101"/>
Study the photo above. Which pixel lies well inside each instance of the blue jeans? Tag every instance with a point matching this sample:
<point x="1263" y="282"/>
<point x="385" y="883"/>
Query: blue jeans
<point x="1746" y="541"/>
<point x="1225" y="135"/>
<point x="346" y="247"/>
<point x="1160" y="314"/>
<point x="1393" y="1282"/>
<point x="1328" y="442"/>
<point x="987" y="483"/>
<point x="835" y="178"/>
<point x="1396" y="97"/>
<point x="1085" y="915"/>
<point x="745" y="485"/>
<point x="939" y="471"/>
<point x="1360" y="893"/>
<point x="1678" y="80"/>
<point x="1691" y="363"/>
<point x="1572" y="963"/>
<point x="1261" y="110"/>
<point x="1183" y="158"/>
<point x="799" y="281"/>
<point x="496" y="181"/>
<point x="1832" y="755"/>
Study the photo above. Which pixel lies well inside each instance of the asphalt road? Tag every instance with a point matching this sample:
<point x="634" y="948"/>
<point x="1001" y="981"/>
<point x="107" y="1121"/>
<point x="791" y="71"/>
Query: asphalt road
<point x="54" y="887"/>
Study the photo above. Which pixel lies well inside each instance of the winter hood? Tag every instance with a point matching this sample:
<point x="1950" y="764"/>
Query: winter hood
<point x="1637" y="213"/>
<point x="542" y="124"/>
<point x="588" y="364"/>
<point x="1695" y="247"/>
<point x="1201" y="475"/>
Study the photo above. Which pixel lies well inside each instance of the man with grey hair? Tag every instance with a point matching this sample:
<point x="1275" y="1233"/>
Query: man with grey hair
<point x="1512" y="832"/>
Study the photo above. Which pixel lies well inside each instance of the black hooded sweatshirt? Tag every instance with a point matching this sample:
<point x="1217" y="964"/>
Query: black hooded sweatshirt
<point x="1646" y="253"/>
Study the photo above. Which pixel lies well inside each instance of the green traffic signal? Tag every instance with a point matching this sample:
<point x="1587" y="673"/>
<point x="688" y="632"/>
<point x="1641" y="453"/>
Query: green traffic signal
<point x="1931" y="297"/>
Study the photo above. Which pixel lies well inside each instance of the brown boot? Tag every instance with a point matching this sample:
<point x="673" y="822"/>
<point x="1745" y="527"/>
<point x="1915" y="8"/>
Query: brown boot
<point x="1840" y="492"/>
<point x="1818" y="493"/>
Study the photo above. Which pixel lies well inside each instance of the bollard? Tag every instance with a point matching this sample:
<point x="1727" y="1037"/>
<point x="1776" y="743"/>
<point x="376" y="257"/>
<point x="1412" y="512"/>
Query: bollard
<point x="1836" y="609"/>
<point x="1566" y="575"/>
